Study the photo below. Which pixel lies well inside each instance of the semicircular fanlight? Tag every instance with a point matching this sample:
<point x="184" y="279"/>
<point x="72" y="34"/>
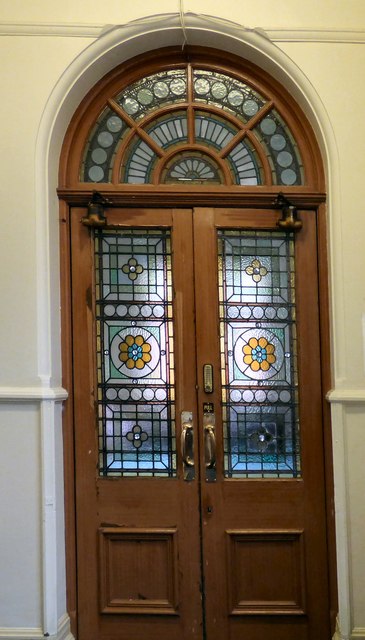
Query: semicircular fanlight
<point x="247" y="141"/>
<point x="192" y="167"/>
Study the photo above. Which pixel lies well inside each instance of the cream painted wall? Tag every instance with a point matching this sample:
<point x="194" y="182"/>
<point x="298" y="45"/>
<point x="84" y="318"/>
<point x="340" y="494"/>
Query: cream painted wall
<point x="313" y="14"/>
<point x="333" y="70"/>
<point x="37" y="51"/>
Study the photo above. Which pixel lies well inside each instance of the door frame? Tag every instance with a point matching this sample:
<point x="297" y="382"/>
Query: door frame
<point x="68" y="423"/>
<point x="303" y="198"/>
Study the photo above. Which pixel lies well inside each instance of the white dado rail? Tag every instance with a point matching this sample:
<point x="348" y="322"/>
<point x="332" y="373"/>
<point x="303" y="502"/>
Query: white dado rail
<point x="29" y="394"/>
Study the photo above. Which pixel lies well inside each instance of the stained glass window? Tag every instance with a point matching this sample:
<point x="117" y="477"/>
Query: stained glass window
<point x="182" y="111"/>
<point x="245" y="165"/>
<point x="153" y="92"/>
<point x="135" y="356"/>
<point x="139" y="163"/>
<point x="280" y="149"/>
<point x="192" y="167"/>
<point x="105" y="137"/>
<point x="258" y="354"/>
<point x="169" y="130"/>
<point x="213" y="131"/>
<point x="227" y="93"/>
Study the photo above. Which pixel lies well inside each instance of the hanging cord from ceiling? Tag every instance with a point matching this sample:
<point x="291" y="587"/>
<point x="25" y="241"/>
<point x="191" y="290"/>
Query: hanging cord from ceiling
<point x="183" y="25"/>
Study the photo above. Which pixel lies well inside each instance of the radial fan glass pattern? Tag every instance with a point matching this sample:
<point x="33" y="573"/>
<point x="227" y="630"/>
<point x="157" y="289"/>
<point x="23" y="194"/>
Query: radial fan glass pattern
<point x="139" y="164"/>
<point x="245" y="165"/>
<point x="213" y="131"/>
<point x="135" y="356"/>
<point x="192" y="168"/>
<point x="258" y="354"/>
<point x="169" y="130"/>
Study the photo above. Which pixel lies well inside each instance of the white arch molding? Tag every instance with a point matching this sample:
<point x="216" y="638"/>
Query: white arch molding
<point x="115" y="45"/>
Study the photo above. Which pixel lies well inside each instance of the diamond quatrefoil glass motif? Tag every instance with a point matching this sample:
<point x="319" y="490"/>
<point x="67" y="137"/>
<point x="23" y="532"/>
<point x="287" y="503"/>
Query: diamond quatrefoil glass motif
<point x="136" y="436"/>
<point x="132" y="269"/>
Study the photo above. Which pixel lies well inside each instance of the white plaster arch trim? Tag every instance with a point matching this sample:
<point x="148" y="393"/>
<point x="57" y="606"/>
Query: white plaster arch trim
<point x="112" y="47"/>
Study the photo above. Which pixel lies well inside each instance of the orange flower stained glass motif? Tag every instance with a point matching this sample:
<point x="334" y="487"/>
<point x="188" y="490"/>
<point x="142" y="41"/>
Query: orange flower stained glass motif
<point x="259" y="354"/>
<point x="135" y="352"/>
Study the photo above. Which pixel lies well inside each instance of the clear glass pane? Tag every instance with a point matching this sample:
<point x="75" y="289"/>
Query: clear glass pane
<point x="227" y="93"/>
<point x="135" y="356"/>
<point x="258" y="354"/>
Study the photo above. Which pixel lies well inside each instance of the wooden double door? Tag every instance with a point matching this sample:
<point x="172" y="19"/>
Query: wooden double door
<point x="198" y="427"/>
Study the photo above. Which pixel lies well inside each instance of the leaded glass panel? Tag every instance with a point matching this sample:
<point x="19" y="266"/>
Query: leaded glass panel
<point x="281" y="150"/>
<point x="169" y="130"/>
<point x="213" y="131"/>
<point x="192" y="167"/>
<point x="227" y="93"/>
<point x="135" y="357"/>
<point x="258" y="354"/>
<point x="141" y="160"/>
<point x="240" y="109"/>
<point x="153" y="92"/>
<point x="103" y="142"/>
<point x="245" y="165"/>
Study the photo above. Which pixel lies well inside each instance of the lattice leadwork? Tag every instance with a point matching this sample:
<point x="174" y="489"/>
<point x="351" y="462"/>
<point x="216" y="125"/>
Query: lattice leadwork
<point x="258" y="354"/>
<point x="135" y="357"/>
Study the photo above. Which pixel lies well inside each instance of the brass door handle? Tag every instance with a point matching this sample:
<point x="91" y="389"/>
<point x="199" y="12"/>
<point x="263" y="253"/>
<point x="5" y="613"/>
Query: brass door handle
<point x="209" y="446"/>
<point x="187" y="445"/>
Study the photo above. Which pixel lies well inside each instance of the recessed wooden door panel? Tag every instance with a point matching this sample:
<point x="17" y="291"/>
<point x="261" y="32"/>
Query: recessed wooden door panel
<point x="138" y="571"/>
<point x="208" y="553"/>
<point x="249" y="554"/>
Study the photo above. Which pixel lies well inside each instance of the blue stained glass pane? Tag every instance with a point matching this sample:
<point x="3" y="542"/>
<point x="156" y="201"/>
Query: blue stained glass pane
<point x="135" y="355"/>
<point x="258" y="354"/>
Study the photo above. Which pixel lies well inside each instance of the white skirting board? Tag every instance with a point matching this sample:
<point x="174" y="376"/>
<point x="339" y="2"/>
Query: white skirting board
<point x="24" y="633"/>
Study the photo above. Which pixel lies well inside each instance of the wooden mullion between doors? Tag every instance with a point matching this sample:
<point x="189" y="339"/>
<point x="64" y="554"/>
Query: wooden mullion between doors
<point x="207" y="340"/>
<point x="184" y="324"/>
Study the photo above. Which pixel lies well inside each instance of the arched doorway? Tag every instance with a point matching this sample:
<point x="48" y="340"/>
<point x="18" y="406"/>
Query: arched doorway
<point x="198" y="392"/>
